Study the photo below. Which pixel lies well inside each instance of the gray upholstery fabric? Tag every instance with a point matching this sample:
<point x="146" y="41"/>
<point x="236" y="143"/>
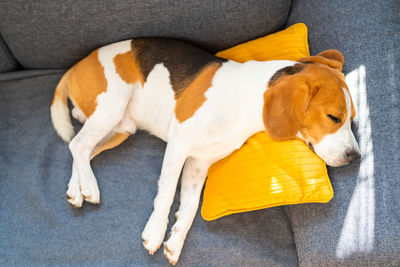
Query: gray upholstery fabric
<point x="7" y="61"/>
<point x="38" y="227"/>
<point x="56" y="34"/>
<point x="361" y="225"/>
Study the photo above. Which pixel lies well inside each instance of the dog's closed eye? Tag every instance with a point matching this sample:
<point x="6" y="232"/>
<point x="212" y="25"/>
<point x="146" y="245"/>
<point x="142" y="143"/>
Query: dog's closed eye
<point x="334" y="119"/>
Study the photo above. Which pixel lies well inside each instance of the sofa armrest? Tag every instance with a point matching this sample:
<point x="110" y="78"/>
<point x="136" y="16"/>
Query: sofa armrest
<point x="361" y="225"/>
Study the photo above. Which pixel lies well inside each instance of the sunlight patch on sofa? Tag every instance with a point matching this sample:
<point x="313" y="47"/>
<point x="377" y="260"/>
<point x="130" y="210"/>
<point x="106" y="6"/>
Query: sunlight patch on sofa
<point x="357" y="234"/>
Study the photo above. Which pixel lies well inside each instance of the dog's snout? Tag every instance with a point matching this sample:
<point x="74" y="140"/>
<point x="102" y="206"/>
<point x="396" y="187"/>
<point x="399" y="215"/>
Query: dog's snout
<point x="352" y="155"/>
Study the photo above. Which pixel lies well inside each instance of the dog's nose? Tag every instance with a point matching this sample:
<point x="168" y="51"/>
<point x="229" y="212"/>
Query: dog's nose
<point x="352" y="155"/>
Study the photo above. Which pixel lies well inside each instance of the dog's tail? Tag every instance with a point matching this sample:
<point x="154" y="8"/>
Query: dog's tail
<point x="59" y="110"/>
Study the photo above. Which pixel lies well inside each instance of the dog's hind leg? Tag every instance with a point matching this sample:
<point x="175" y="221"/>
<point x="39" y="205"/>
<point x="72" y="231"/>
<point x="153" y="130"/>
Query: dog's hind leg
<point x="112" y="140"/>
<point x="74" y="195"/>
<point x="108" y="114"/>
<point x="118" y="135"/>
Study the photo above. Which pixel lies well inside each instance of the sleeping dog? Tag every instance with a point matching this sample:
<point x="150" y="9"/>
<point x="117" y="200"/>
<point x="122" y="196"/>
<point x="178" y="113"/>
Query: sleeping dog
<point x="204" y="107"/>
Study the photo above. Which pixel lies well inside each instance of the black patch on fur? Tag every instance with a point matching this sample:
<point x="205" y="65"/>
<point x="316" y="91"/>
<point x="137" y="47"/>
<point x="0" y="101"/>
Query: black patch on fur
<point x="290" y="70"/>
<point x="182" y="60"/>
<point x="310" y="145"/>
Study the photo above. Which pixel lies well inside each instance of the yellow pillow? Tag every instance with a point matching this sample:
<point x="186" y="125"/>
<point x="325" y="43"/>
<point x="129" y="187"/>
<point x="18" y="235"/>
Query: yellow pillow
<point x="264" y="172"/>
<point x="289" y="44"/>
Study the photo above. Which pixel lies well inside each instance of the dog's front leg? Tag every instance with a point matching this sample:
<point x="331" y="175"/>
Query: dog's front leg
<point x="154" y="231"/>
<point x="193" y="177"/>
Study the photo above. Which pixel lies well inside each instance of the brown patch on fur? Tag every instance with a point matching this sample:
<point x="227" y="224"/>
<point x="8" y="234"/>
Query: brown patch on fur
<point x="316" y="123"/>
<point x="333" y="54"/>
<point x="110" y="143"/>
<point x="86" y="82"/>
<point x="127" y="67"/>
<point x="302" y="102"/>
<point x="192" y="97"/>
<point x="285" y="104"/>
<point x="61" y="91"/>
<point x="332" y="58"/>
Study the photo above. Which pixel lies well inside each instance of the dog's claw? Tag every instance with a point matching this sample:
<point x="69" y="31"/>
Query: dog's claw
<point x="147" y="245"/>
<point x="76" y="203"/>
<point x="151" y="251"/>
<point x="167" y="250"/>
<point x="75" y="200"/>
<point x="87" y="197"/>
<point x="90" y="194"/>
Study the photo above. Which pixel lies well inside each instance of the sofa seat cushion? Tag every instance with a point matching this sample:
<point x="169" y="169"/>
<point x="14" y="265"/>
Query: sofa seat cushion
<point x="38" y="227"/>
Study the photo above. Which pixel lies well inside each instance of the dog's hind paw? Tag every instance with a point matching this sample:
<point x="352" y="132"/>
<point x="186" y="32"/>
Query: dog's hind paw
<point x="74" y="196"/>
<point x="90" y="192"/>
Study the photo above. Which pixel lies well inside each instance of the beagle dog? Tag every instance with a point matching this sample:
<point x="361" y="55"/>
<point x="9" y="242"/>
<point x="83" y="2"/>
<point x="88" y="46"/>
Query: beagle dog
<point x="204" y="107"/>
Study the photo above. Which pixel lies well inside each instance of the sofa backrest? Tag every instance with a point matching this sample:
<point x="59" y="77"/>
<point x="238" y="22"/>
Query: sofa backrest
<point x="57" y="33"/>
<point x="7" y="60"/>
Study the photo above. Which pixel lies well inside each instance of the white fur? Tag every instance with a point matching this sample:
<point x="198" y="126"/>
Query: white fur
<point x="61" y="120"/>
<point x="152" y="106"/>
<point x="78" y="114"/>
<point x="193" y="178"/>
<point x="236" y="105"/>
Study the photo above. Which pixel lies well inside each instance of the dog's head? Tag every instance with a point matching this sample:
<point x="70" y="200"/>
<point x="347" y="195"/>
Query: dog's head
<point x="312" y="101"/>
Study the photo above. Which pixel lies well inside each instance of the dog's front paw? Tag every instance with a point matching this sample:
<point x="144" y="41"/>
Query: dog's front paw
<point x="173" y="247"/>
<point x="74" y="195"/>
<point x="153" y="234"/>
<point x="170" y="254"/>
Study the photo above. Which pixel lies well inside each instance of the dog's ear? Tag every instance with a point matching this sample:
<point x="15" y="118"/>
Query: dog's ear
<point x="285" y="105"/>
<point x="332" y="58"/>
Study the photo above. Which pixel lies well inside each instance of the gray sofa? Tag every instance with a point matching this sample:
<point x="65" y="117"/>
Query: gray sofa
<point x="360" y="226"/>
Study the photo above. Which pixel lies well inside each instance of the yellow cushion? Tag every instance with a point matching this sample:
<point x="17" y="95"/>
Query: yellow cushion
<point x="289" y="44"/>
<point x="264" y="172"/>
